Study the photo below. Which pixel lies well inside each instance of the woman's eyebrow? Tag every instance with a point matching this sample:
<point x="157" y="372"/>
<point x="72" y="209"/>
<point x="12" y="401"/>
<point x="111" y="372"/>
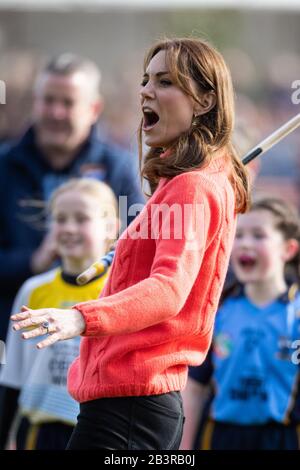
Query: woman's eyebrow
<point x="158" y="74"/>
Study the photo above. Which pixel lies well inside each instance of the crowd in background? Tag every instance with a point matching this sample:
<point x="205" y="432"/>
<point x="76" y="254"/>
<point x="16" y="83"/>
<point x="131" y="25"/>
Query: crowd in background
<point x="258" y="114"/>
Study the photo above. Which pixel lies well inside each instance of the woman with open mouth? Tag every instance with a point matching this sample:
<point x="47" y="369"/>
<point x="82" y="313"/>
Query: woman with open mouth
<point x="155" y="316"/>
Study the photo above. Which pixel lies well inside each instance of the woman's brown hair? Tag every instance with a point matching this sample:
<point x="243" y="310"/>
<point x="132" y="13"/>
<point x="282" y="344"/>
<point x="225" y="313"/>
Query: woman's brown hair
<point x="194" y="61"/>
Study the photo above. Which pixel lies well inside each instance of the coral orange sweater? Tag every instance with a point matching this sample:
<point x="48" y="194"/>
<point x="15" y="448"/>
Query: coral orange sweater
<point x="156" y="313"/>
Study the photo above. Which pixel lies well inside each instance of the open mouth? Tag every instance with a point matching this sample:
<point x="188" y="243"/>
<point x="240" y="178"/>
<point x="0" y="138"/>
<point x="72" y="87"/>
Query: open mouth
<point x="247" y="261"/>
<point x="150" y="119"/>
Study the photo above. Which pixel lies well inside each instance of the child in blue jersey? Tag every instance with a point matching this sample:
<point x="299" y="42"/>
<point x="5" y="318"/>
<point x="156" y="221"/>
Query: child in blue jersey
<point x="83" y="226"/>
<point x="253" y="365"/>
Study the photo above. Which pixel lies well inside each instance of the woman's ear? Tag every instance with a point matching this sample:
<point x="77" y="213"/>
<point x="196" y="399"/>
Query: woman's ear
<point x="206" y="102"/>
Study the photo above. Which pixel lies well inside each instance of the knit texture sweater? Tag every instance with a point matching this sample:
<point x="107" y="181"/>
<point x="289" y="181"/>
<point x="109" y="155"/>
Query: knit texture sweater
<point x="155" y="315"/>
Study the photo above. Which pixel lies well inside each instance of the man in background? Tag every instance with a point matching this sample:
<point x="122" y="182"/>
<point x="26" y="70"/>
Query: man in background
<point x="62" y="142"/>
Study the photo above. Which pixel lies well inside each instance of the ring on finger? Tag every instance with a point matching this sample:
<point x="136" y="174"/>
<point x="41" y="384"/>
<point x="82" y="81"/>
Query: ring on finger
<point x="46" y="326"/>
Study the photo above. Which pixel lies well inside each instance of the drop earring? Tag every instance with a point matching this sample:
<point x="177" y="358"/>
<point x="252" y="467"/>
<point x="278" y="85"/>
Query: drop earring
<point x="194" y="121"/>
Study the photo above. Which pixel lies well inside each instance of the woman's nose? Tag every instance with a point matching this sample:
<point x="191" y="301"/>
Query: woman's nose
<point x="147" y="91"/>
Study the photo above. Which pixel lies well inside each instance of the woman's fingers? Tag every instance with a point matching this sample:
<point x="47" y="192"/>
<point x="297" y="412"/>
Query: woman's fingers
<point x="38" y="332"/>
<point x="24" y="308"/>
<point x="20" y="316"/>
<point x="57" y="324"/>
<point x="32" y="321"/>
<point x="28" y="313"/>
<point x="51" y="339"/>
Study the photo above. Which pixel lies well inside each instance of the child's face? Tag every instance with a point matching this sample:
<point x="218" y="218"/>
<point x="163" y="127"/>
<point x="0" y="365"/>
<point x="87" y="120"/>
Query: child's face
<point x="78" y="226"/>
<point x="260" y="250"/>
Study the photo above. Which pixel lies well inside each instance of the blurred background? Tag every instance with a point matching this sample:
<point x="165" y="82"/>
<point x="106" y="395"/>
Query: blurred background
<point x="260" y="41"/>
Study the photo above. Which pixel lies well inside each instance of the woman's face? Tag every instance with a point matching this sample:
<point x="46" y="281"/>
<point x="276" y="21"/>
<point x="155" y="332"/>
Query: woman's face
<point x="167" y="110"/>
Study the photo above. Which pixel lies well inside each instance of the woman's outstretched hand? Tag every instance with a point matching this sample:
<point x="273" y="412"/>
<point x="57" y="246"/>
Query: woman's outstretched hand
<point x="58" y="324"/>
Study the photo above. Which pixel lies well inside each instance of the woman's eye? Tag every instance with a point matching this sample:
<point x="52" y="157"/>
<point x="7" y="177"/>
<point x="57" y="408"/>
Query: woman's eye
<point x="165" y="82"/>
<point x="144" y="82"/>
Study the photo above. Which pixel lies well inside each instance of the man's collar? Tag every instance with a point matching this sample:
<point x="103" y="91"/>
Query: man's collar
<point x="28" y="140"/>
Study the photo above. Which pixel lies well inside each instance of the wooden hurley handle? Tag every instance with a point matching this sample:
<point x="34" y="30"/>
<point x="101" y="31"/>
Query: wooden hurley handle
<point x="272" y="139"/>
<point x="95" y="270"/>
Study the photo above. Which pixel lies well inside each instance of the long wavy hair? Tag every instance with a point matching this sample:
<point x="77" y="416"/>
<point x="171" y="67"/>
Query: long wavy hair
<point x="193" y="61"/>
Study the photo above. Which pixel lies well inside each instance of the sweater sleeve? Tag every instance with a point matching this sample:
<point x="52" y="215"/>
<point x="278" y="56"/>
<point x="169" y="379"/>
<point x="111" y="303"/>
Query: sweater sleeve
<point x="177" y="261"/>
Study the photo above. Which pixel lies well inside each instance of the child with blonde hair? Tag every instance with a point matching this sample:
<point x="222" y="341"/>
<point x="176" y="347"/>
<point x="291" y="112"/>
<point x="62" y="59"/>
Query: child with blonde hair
<point x="84" y="224"/>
